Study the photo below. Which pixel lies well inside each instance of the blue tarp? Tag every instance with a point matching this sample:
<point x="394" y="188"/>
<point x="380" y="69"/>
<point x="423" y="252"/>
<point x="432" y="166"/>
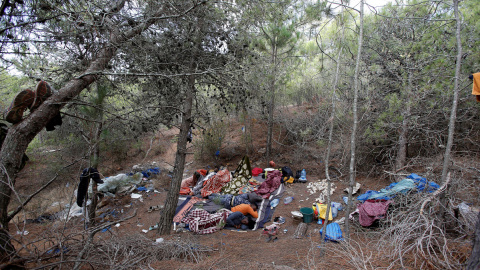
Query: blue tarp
<point x="413" y="181"/>
<point x="334" y="233"/>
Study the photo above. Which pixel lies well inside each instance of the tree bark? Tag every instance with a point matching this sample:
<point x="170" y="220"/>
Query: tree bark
<point x="168" y="212"/>
<point x="20" y="135"/>
<point x="453" y="113"/>
<point x="473" y="262"/>
<point x="402" y="138"/>
<point x="271" y="108"/>
<point x="330" y="132"/>
<point x="355" y="125"/>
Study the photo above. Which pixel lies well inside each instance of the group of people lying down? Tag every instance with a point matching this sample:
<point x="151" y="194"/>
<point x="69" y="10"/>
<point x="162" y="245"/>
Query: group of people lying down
<point x="239" y="195"/>
<point x="243" y="208"/>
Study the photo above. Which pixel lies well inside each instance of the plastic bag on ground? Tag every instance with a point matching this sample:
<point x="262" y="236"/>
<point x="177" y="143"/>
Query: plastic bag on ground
<point x="111" y="184"/>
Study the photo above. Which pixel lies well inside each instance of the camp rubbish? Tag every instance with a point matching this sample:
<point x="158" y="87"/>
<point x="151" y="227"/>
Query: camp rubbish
<point x="288" y="200"/>
<point x="303" y="176"/>
<point x="320" y="185"/>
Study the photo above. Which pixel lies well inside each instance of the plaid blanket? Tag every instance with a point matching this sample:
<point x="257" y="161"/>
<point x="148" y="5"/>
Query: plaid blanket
<point x="202" y="222"/>
<point x="183" y="209"/>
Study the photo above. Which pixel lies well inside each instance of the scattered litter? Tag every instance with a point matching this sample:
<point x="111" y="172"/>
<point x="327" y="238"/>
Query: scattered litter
<point x="297" y="214"/>
<point x="274" y="203"/>
<point x="355" y="188"/>
<point x="340" y="221"/>
<point x="112" y="183"/>
<point x="145" y="231"/>
<point x="140" y="225"/>
<point x="106" y="229"/>
<point x="117" y="225"/>
<point x="320" y="185"/>
<point x="279" y="220"/>
<point x="141" y="188"/>
<point x="136" y="196"/>
<point x="288" y="200"/>
<point x="153" y="227"/>
<point x="159" y="240"/>
<point x="22" y="232"/>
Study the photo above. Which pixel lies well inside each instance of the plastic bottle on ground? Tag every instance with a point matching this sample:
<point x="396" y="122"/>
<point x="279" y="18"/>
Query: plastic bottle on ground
<point x="288" y="200"/>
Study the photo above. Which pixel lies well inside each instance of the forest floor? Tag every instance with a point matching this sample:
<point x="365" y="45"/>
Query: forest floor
<point x="232" y="249"/>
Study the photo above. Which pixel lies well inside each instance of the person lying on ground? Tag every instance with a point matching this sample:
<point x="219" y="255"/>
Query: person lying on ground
<point x="228" y="200"/>
<point x="237" y="220"/>
<point x="246" y="209"/>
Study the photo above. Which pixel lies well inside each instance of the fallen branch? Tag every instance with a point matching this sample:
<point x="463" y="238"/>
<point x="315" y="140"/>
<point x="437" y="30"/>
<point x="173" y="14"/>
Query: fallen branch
<point x="436" y="193"/>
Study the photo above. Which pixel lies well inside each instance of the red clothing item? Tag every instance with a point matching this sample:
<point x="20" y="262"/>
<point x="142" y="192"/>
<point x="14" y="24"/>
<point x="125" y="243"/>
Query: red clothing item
<point x="256" y="171"/>
<point x="188" y="182"/>
<point x="245" y="209"/>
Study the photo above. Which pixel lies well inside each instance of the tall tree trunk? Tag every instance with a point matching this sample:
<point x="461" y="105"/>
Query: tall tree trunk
<point x="94" y="164"/>
<point x="168" y="212"/>
<point x="330" y="132"/>
<point x="355" y="125"/>
<point x="271" y="107"/>
<point x="402" y="138"/>
<point x="453" y="112"/>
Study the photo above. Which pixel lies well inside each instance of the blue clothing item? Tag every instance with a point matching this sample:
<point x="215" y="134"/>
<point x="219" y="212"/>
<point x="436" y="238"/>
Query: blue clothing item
<point x="413" y="181"/>
<point x="228" y="200"/>
<point x="334" y="233"/>
<point x="236" y="218"/>
<point x="423" y="184"/>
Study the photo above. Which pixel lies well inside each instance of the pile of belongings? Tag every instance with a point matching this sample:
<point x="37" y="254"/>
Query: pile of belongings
<point x="413" y="181"/>
<point x="219" y="191"/>
<point x="374" y="204"/>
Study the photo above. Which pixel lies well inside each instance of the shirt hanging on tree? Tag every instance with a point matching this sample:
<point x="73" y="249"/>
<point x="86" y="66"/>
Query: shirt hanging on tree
<point x="476" y="86"/>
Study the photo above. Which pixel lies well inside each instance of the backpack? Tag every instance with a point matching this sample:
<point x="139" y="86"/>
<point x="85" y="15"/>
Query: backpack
<point x="287" y="174"/>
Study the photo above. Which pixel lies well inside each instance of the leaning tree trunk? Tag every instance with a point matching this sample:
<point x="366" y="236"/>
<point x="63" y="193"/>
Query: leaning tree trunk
<point x="20" y="135"/>
<point x="355" y="125"/>
<point x="453" y="112"/>
<point x="168" y="212"/>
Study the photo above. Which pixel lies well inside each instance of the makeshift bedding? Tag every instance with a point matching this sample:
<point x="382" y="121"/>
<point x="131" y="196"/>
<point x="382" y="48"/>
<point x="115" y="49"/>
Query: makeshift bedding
<point x="197" y="190"/>
<point x="272" y="183"/>
<point x="242" y="174"/>
<point x="413" y="181"/>
<point x="265" y="211"/>
<point x="185" y="204"/>
<point x="372" y="210"/>
<point x="215" y="183"/>
<point x="202" y="222"/>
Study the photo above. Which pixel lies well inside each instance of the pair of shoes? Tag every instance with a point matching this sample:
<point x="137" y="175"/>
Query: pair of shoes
<point x="156" y="207"/>
<point x="20" y="103"/>
<point x="271" y="238"/>
<point x="27" y="99"/>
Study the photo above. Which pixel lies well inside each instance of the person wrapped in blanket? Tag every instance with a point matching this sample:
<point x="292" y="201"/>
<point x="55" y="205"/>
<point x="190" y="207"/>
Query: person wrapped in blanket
<point x="186" y="188"/>
<point x="242" y="216"/>
<point x="228" y="200"/>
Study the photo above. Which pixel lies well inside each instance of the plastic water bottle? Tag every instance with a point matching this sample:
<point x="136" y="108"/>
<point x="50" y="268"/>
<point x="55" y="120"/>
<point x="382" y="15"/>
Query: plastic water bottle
<point x="334" y="211"/>
<point x="288" y="200"/>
